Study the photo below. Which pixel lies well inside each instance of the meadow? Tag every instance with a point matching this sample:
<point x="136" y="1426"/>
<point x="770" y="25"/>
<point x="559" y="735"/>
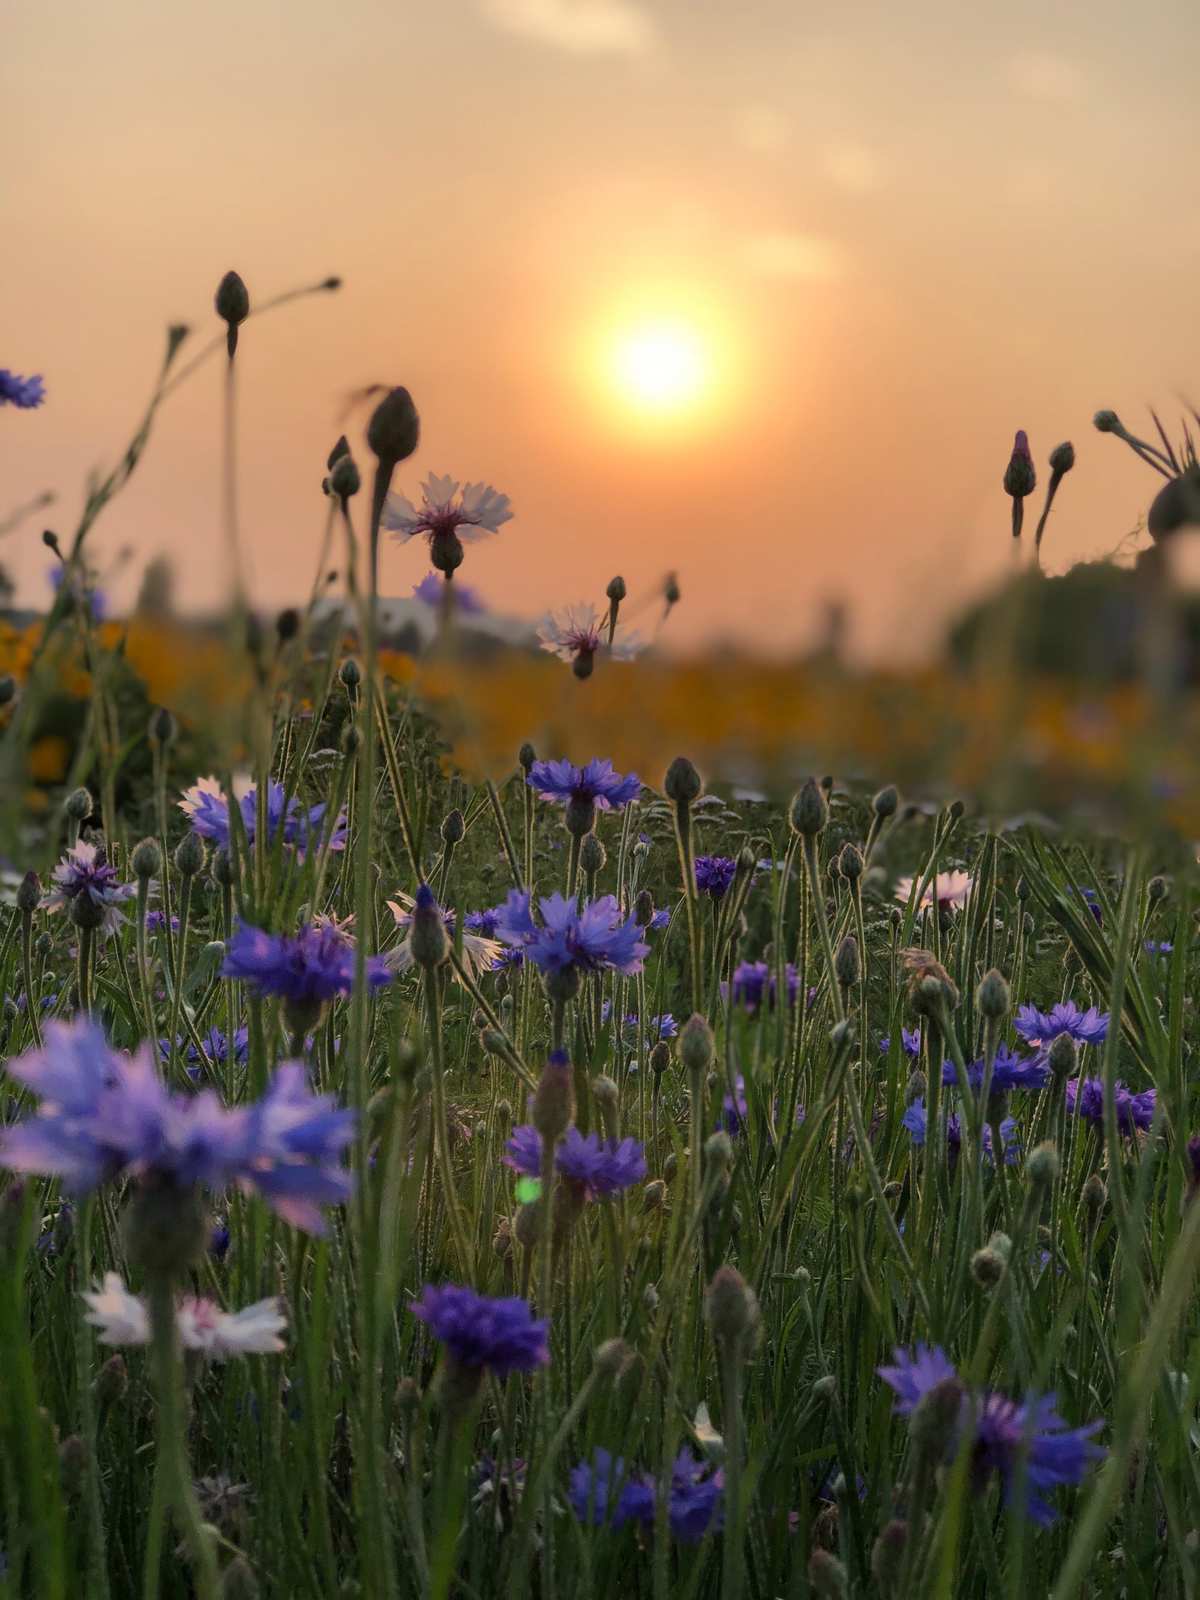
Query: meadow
<point x="442" y="1159"/>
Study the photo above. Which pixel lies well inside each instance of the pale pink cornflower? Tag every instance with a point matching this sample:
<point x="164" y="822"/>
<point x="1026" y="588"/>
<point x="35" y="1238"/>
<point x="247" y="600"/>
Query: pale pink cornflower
<point x="447" y="516"/>
<point x="577" y="633"/>
<point x="122" y="1318"/>
<point x="948" y="889"/>
<point x="479" y="954"/>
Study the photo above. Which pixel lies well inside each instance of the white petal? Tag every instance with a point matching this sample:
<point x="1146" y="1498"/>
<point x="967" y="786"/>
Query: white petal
<point x="120" y="1317"/>
<point x="255" y="1330"/>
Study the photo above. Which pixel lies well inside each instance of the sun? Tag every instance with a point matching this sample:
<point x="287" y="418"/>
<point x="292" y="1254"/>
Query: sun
<point x="661" y="367"/>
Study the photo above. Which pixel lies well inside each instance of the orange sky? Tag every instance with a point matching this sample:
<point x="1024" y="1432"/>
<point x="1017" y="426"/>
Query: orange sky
<point x="916" y="229"/>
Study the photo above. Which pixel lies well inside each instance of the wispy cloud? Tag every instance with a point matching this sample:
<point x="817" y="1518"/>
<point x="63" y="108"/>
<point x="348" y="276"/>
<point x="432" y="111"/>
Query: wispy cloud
<point x="580" y="27"/>
<point x="793" y="255"/>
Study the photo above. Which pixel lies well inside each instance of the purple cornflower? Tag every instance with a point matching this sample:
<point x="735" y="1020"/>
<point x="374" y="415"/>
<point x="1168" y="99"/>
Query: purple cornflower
<point x="24" y="393"/>
<point x="570" y="940"/>
<point x="714" y="874"/>
<point x="431" y="591"/>
<point x="595" y="784"/>
<point x="84" y="878"/>
<point x="478" y="1332"/>
<point x="910" y="1042"/>
<point x="484" y="923"/>
<point x="1085" y="1098"/>
<point x="1009" y="1071"/>
<point x="215" y="1047"/>
<point x="310" y="967"/>
<point x="660" y="1027"/>
<point x="1158" y="947"/>
<point x="735" y="1107"/>
<point x="1026" y="1442"/>
<point x="81" y="589"/>
<point x="915" y="1119"/>
<point x="597" y="1166"/>
<point x="446" y="513"/>
<point x="207" y="809"/>
<point x="694" y="1500"/>
<point x="1038" y="1028"/>
<point x="104" y="1114"/>
<point x="754" y="981"/>
<point x="156" y="922"/>
<point x="603" y="1494"/>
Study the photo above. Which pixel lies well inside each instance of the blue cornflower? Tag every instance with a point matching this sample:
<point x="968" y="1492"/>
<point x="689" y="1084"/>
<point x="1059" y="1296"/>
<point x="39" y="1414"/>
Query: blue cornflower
<point x="484" y="923"/>
<point x="602" y="1493"/>
<point x="431" y="591"/>
<point x="660" y="1027"/>
<point x="570" y="940"/>
<point x="156" y="922"/>
<point x="915" y="1120"/>
<point x="754" y="981"/>
<point x="1005" y="1436"/>
<point x="597" y="1166"/>
<point x="735" y="1107"/>
<point x="1009" y="1071"/>
<point x="24" y="393"/>
<point x="308" y="968"/>
<point x="1038" y="1028"/>
<point x="207" y="809"/>
<point x="85" y="884"/>
<point x="480" y="952"/>
<point x="104" y="1114"/>
<point x="694" y="1501"/>
<point x="1158" y="947"/>
<point x="714" y="874"/>
<point x="215" y="1045"/>
<point x="583" y="790"/>
<point x="910" y="1042"/>
<point x="478" y="1332"/>
<point x="1085" y="1098"/>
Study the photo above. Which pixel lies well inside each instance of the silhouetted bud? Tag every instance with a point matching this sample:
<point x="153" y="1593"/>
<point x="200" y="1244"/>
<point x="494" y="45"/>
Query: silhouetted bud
<point x="660" y="1057"/>
<point x="1106" y="422"/>
<point x="394" y="428"/>
<point x="526" y="755"/>
<point x="146" y="859"/>
<point x="616" y="589"/>
<point x="340" y="449"/>
<point x="697" y="1046"/>
<point x="232" y="301"/>
<point x="1157" y="889"/>
<point x="846" y="964"/>
<point x="554" y="1098"/>
<point x="453" y="827"/>
<point x="592" y="855"/>
<point x="345" y="480"/>
<point x="993" y="996"/>
<point x="163" y="729"/>
<point x="350" y="674"/>
<point x="1043" y="1165"/>
<point x="287" y="624"/>
<point x="527" y="1225"/>
<point x="78" y="805"/>
<point x="682" y="783"/>
<point x="189" y="855"/>
<point x="1062" y="458"/>
<point x="732" y="1310"/>
<point x="810" y="810"/>
<point x="427" y="939"/>
<point x="222" y="868"/>
<point x="885" y="802"/>
<point x="850" y="863"/>
<point x="29" y="894"/>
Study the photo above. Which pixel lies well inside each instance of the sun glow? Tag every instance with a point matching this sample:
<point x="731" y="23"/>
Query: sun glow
<point x="661" y="366"/>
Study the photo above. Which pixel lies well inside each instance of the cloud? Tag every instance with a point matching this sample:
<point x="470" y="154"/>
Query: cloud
<point x="1054" y="80"/>
<point x="793" y="255"/>
<point x="761" y="129"/>
<point x="580" y="27"/>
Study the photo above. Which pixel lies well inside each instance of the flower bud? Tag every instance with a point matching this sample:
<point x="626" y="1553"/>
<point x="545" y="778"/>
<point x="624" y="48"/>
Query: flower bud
<point x="29" y="894"/>
<point x="654" y="1195"/>
<point x="238" y="1581"/>
<point x="1106" y="422"/>
<point x="887" y="1556"/>
<point x="1094" y="1197"/>
<point x="232" y="302"/>
<point x="671" y="590"/>
<point x="643" y="908"/>
<point x="427" y="939"/>
<point x="935" y="1417"/>
<point x="827" y="1576"/>
<point x="825" y="1389"/>
<point x="718" y="1151"/>
<point x="526" y="756"/>
<point x="1062" y="458"/>
<point x="408" y="1398"/>
<point x="810" y="810"/>
<point x="611" y="1356"/>
<point x="993" y="996"/>
<point x="592" y="855"/>
<point x="846" y="964"/>
<point x="608" y="1098"/>
<point x="146" y="859"/>
<point x="1020" y="478"/>
<point x="78" y="805"/>
<point x="222" y="868"/>
<point x="682" y="783"/>
<point x="43" y="946"/>
<point x="697" y="1047"/>
<point x="580" y="817"/>
<point x="616" y="590"/>
<point x="165" y="1229"/>
<point x="163" y="728"/>
<point x="493" y="1042"/>
<point x="345" y="480"/>
<point x="394" y="428"/>
<point x="287" y="624"/>
<point x="988" y="1268"/>
<point x="340" y="449"/>
<point x="885" y="802"/>
<point x="732" y="1310"/>
<point x="1157" y="889"/>
<point x="73" y="1462"/>
<point x="350" y="674"/>
<point x="660" y="1057"/>
<point x="554" y="1098"/>
<point x="453" y="827"/>
<point x="189" y="855"/>
<point x="850" y="863"/>
<point x="112" y="1381"/>
<point x="527" y="1225"/>
<point x="1062" y="1057"/>
<point x="1043" y="1165"/>
<point x="502" y="1239"/>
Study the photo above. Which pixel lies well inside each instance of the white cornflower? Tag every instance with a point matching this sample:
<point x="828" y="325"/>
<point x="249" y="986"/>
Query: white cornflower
<point x="479" y="954"/>
<point x="121" y="1318"/>
<point x="477" y="510"/>
<point x="578" y="632"/>
<point x="948" y="889"/>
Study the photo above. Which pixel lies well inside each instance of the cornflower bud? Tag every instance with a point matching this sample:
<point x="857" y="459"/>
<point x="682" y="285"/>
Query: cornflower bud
<point x="887" y="1556"/>
<point x="1062" y="1057"/>
<point x="394" y="428"/>
<point x="930" y="986"/>
<point x="163" y="728"/>
<point x="885" y="802"/>
<point x="189" y="855"/>
<point x="427" y="939"/>
<point x="732" y="1310"/>
<point x="697" y="1047"/>
<point x="1106" y="422"/>
<point x="660" y="1057"/>
<point x="810" y="811"/>
<point x="1094" y="1198"/>
<point x="1062" y="458"/>
<point x="454" y="827"/>
<point x="238" y="1581"/>
<point x="654" y="1195"/>
<point x="528" y="1225"/>
<point x="616" y="590"/>
<point x="643" y="908"/>
<point x="1020" y="479"/>
<point x="718" y="1151"/>
<point x="526" y="755"/>
<point x="608" y="1097"/>
<point x="73" y="1463"/>
<point x="850" y="863"/>
<point x="988" y="1268"/>
<point x="846" y="965"/>
<point x="554" y="1098"/>
<point x="345" y="480"/>
<point x="827" y="1575"/>
<point x="993" y="996"/>
<point x="611" y="1356"/>
<point x="78" y="805"/>
<point x="112" y="1382"/>
<point x="1043" y="1165"/>
<point x="1157" y="889"/>
<point x="592" y="855"/>
<point x="682" y="783"/>
<point x="29" y="894"/>
<point x="232" y="302"/>
<point x="146" y="859"/>
<point x="222" y="868"/>
<point x="350" y="675"/>
<point x="340" y="449"/>
<point x="935" y="1418"/>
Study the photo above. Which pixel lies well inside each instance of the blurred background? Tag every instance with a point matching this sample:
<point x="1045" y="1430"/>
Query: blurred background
<point x="759" y="293"/>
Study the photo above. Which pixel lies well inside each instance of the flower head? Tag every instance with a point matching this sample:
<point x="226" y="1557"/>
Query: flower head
<point x="1038" y="1028"/>
<point x="294" y="1142"/>
<point x="597" y="1166"/>
<point x="479" y="1332"/>
<point x="431" y="591"/>
<point x="915" y="1120"/>
<point x="595" y="784"/>
<point x="948" y="890"/>
<point x="578" y="633"/>
<point x="914" y="1374"/>
<point x="594" y="939"/>
<point x="301" y="827"/>
<point x="480" y="951"/>
<point x="1009" y="1071"/>
<point x="910" y="1043"/>
<point x="24" y="393"/>
<point x="754" y="981"/>
<point x="446" y="512"/>
<point x="714" y="874"/>
<point x="694" y="1498"/>
<point x="655" y="1028"/>
<point x="122" y="1318"/>
<point x="1085" y="1098"/>
<point x="84" y="879"/>
<point x="602" y="1493"/>
<point x="310" y="967"/>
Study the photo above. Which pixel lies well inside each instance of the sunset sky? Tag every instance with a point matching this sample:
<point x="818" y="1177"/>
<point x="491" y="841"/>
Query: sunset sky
<point x="879" y="239"/>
